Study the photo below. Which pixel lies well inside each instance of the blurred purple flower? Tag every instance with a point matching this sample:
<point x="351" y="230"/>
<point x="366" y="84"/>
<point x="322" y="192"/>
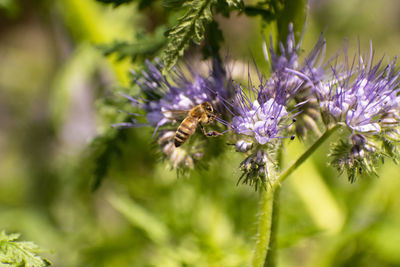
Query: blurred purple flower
<point x="180" y="92"/>
<point x="309" y="72"/>
<point x="160" y="97"/>
<point x="299" y="76"/>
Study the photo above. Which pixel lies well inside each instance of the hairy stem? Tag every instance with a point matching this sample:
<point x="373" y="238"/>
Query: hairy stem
<point x="270" y="258"/>
<point x="264" y="226"/>
<point x="267" y="204"/>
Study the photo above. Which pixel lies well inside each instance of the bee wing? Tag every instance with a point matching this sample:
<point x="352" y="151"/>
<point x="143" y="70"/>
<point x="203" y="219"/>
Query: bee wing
<point x="175" y="114"/>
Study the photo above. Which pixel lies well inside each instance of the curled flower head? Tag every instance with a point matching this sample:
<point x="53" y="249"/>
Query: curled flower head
<point x="364" y="98"/>
<point x="288" y="55"/>
<point x="163" y="98"/>
<point x="311" y="68"/>
<point x="299" y="76"/>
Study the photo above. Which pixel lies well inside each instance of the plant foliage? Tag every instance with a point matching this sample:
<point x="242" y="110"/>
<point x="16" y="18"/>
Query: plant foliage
<point x="19" y="253"/>
<point x="146" y="46"/>
<point x="105" y="147"/>
<point x="190" y="28"/>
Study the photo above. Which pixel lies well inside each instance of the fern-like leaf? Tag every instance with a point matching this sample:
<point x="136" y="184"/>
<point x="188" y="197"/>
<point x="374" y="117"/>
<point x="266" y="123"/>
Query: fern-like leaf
<point x="19" y="253"/>
<point x="190" y="28"/>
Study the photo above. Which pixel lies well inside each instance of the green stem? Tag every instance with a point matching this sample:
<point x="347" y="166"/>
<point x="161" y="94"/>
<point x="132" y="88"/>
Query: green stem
<point x="270" y="261"/>
<point x="307" y="153"/>
<point x="265" y="224"/>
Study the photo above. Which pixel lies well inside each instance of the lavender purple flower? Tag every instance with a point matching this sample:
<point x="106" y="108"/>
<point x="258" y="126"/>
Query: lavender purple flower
<point x="258" y="116"/>
<point x="365" y="98"/>
<point x="161" y="97"/>
<point x="300" y="77"/>
<point x="261" y="118"/>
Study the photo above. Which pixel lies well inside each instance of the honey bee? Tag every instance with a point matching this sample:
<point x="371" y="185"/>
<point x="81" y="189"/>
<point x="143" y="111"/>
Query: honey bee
<point x="198" y="115"/>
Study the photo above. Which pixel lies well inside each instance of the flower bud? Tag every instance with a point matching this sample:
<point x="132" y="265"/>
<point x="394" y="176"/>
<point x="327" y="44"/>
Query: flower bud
<point x="243" y="146"/>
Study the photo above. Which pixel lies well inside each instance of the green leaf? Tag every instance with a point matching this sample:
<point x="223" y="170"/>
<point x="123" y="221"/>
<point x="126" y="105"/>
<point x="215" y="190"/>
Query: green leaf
<point x="214" y="38"/>
<point x="19" y="253"/>
<point x="145" y="47"/>
<point x="190" y="28"/>
<point x="267" y="14"/>
<point x="105" y="148"/>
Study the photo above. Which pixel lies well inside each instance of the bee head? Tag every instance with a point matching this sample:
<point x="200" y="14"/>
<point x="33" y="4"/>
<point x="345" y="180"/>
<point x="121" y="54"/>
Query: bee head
<point x="207" y="107"/>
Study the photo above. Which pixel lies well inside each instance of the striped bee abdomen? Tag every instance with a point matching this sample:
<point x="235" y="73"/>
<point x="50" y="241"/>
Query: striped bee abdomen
<point x="185" y="130"/>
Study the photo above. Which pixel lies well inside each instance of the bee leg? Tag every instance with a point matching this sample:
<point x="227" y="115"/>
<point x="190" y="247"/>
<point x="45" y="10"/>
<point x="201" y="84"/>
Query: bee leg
<point x="210" y="133"/>
<point x="202" y="129"/>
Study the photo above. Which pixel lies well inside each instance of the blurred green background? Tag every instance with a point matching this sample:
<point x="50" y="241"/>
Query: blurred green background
<point x="55" y="85"/>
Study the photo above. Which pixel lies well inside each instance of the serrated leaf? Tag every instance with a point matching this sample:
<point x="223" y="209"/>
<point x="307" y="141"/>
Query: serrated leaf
<point x="19" y="253"/>
<point x="190" y="28"/>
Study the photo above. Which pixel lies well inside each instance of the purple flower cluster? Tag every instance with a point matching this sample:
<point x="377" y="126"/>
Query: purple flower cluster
<point x="257" y="115"/>
<point x="179" y="92"/>
<point x="364" y="98"/>
<point x="265" y="110"/>
<point x="308" y="73"/>
<point x="166" y="100"/>
<point x="298" y="95"/>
